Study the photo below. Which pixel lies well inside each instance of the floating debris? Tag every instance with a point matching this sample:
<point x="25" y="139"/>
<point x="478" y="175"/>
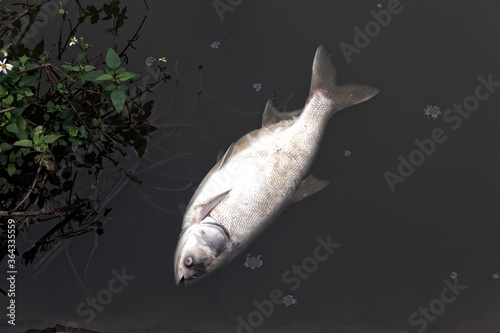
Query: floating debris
<point x="149" y="61"/>
<point x="379" y="5"/>
<point x="432" y="111"/>
<point x="347" y="153"/>
<point x="257" y="86"/>
<point x="453" y="275"/>
<point x="253" y="262"/>
<point x="215" y="45"/>
<point x="60" y="328"/>
<point x="496" y="276"/>
<point x="289" y="300"/>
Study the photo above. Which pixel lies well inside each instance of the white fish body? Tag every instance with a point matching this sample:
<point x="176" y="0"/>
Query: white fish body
<point x="260" y="175"/>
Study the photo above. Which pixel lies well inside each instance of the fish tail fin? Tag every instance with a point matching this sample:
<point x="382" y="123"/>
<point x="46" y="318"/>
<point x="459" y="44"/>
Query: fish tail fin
<point x="324" y="82"/>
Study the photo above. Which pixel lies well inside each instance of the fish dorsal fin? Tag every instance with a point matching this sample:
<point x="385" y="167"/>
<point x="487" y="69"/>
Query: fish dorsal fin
<point x="272" y="115"/>
<point x="308" y="187"/>
<point x="208" y="205"/>
<point x="223" y="158"/>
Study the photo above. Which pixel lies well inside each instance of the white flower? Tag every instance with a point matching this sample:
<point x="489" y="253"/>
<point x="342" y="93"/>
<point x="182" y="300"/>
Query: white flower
<point x="74" y="40"/>
<point x="5" y="54"/>
<point x="162" y="59"/>
<point x="5" y="67"/>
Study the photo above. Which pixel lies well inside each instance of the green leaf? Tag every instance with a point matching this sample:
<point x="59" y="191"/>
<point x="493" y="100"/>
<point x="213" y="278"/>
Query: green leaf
<point x="12" y="128"/>
<point x="8" y="100"/>
<point x="23" y="60"/>
<point x="24" y="143"/>
<point x="126" y="76"/>
<point x="22" y="134"/>
<point x="71" y="68"/>
<point x="73" y="131"/>
<point x="104" y="77"/>
<point x="28" y="81"/>
<point x="111" y="87"/>
<point x="81" y="55"/>
<point x="118" y="99"/>
<point x="4" y="146"/>
<point x="51" y="138"/>
<point x="11" y="169"/>
<point x="112" y="59"/>
<point x="21" y="123"/>
<point x="122" y="86"/>
<point x="3" y="92"/>
<point x="48" y="161"/>
<point x="17" y="112"/>
<point x="89" y="68"/>
<point x="91" y="76"/>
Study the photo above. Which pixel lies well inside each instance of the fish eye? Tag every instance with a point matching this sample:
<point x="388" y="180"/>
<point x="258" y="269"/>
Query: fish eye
<point x="188" y="262"/>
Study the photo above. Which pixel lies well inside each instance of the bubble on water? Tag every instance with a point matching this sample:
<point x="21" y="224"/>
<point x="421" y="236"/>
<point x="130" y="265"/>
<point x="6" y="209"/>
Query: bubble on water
<point x="347" y="153"/>
<point x="149" y="61"/>
<point x="432" y="111"/>
<point x="253" y="262"/>
<point x="453" y="275"/>
<point x="257" y="86"/>
<point x="379" y="5"/>
<point x="289" y="300"/>
<point x="496" y="276"/>
<point x="215" y="45"/>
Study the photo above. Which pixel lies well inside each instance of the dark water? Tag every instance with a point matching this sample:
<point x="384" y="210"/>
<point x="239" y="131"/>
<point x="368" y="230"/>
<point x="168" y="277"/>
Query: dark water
<point x="420" y="257"/>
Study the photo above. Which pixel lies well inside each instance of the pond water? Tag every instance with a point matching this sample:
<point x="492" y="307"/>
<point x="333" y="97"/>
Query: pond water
<point x="412" y="204"/>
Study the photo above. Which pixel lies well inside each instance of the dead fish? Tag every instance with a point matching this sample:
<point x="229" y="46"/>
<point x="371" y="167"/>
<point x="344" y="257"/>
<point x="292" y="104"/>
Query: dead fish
<point x="260" y="175"/>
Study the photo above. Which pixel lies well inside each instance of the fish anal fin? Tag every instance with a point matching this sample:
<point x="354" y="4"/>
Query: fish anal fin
<point x="308" y="187"/>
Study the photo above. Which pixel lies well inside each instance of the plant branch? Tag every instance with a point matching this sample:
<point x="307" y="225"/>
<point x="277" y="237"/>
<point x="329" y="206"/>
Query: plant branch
<point x="40" y="165"/>
<point x="26" y="12"/>
<point x="41" y="212"/>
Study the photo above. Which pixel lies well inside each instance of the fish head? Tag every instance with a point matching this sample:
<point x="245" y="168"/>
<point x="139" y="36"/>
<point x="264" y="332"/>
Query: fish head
<point x="202" y="248"/>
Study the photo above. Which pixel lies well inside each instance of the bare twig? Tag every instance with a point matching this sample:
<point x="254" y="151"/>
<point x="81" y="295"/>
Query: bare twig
<point x="26" y="12"/>
<point x="7" y="110"/>
<point x="40" y="165"/>
<point x="41" y="212"/>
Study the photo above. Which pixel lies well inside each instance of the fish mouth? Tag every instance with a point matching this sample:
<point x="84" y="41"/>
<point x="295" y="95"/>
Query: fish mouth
<point x="179" y="279"/>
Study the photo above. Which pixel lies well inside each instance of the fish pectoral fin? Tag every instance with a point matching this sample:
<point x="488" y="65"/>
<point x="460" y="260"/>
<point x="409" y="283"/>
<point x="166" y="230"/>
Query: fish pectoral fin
<point x="272" y="115"/>
<point x="220" y="155"/>
<point x="210" y="204"/>
<point x="308" y="187"/>
<point x="223" y="158"/>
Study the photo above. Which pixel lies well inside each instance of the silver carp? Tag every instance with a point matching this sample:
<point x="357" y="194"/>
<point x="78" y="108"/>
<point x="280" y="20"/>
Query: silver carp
<point x="260" y="175"/>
